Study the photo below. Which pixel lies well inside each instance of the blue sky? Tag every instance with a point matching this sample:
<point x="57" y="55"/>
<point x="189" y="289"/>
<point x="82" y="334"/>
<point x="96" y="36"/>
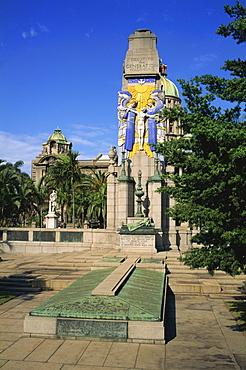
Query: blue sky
<point x="61" y="64"/>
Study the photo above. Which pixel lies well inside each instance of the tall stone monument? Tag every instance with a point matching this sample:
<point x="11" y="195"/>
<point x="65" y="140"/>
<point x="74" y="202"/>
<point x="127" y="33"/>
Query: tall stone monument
<point x="145" y="91"/>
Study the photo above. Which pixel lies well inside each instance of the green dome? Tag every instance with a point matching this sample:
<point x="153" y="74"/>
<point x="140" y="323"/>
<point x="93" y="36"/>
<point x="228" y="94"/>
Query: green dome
<point x="57" y="136"/>
<point x="188" y="136"/>
<point x="169" y="88"/>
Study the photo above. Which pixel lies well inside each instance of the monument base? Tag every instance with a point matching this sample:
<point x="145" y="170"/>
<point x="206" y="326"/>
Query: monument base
<point x="138" y="243"/>
<point x="138" y="235"/>
<point x="51" y="221"/>
<point x="123" y="331"/>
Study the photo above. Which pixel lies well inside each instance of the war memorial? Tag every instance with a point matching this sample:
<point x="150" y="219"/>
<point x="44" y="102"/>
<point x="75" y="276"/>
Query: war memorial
<point x="125" y="301"/>
<point x="112" y="283"/>
<point x="134" y="167"/>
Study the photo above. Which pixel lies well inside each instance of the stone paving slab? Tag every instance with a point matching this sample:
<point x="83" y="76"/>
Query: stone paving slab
<point x="44" y="351"/>
<point x="122" y="354"/>
<point x="200" y="341"/>
<point x="151" y="357"/>
<point x="69" y="352"/>
<point x="21" y="349"/>
<point x="95" y="354"/>
<point x="11" y="337"/>
<point x="20" y="365"/>
<point x="4" y="344"/>
<point x="13" y="328"/>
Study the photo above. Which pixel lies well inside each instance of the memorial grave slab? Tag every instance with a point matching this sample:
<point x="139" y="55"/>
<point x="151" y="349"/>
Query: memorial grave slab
<point x="134" y="313"/>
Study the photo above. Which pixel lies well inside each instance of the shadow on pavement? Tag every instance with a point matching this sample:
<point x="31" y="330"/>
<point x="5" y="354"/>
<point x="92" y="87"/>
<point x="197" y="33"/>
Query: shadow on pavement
<point x="170" y="316"/>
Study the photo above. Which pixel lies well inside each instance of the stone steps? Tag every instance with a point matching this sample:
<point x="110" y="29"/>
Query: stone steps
<point x="15" y="289"/>
<point x="61" y="270"/>
<point x="198" y="281"/>
<point x="19" y="283"/>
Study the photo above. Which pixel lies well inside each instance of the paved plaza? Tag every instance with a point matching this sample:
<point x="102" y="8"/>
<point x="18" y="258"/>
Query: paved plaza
<point x="200" y="334"/>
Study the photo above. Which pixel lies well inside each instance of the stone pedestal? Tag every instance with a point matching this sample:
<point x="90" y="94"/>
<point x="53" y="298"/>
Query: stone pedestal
<point x="138" y="235"/>
<point x="51" y="221"/>
<point x="137" y="243"/>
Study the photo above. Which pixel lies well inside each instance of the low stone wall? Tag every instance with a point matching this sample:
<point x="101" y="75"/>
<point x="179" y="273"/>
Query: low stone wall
<point x="36" y="240"/>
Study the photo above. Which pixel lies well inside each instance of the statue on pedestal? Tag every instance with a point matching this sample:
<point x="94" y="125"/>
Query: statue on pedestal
<point x="51" y="218"/>
<point x="52" y="202"/>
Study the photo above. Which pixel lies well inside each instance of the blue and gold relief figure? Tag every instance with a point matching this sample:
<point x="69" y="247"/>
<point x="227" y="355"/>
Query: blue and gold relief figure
<point x="140" y="124"/>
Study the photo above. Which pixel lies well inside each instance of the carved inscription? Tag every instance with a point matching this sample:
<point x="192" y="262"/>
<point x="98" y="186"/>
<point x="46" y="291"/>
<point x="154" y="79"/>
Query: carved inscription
<point x="96" y="329"/>
<point x="137" y="240"/>
<point x="141" y="64"/>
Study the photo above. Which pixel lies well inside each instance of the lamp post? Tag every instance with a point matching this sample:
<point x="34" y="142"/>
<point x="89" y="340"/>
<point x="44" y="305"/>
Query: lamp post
<point x="139" y="193"/>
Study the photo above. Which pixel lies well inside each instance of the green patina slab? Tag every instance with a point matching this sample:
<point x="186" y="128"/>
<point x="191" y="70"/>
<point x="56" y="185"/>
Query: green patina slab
<point x="140" y="299"/>
<point x="152" y="260"/>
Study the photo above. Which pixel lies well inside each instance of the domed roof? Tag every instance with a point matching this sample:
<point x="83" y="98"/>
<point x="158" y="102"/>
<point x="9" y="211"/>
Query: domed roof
<point x="188" y="136"/>
<point x="57" y="136"/>
<point x="169" y="87"/>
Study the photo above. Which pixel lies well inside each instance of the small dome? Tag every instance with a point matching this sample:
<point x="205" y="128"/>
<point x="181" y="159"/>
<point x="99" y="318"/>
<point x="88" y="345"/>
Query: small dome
<point x="57" y="136"/>
<point x="188" y="136"/>
<point x="169" y="88"/>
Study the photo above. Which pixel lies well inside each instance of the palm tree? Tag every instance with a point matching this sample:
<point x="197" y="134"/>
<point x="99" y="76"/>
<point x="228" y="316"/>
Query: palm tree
<point x="96" y="184"/>
<point x="63" y="176"/>
<point x="8" y="183"/>
<point x="17" y="193"/>
<point x="42" y="194"/>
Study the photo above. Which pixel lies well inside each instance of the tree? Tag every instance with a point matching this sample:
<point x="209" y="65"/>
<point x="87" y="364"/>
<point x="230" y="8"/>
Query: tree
<point x="234" y="89"/>
<point x="210" y="176"/>
<point x="63" y="176"/>
<point x="17" y="194"/>
<point x="96" y="185"/>
<point x="25" y="198"/>
<point x="8" y="182"/>
<point x="42" y="195"/>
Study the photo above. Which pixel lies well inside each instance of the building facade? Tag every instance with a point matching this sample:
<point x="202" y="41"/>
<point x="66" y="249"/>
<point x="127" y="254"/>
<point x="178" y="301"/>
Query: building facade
<point x="58" y="144"/>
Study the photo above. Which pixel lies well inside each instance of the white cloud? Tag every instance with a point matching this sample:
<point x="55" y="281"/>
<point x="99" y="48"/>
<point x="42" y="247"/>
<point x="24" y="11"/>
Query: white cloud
<point x="24" y="35"/>
<point x="77" y="140"/>
<point x="90" y="142"/>
<point x="203" y="60"/>
<point x="43" y="28"/>
<point x="33" y="32"/>
<point x="167" y="17"/>
<point x="15" y="147"/>
<point x="80" y="130"/>
<point x="141" y="18"/>
<point x="88" y="34"/>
